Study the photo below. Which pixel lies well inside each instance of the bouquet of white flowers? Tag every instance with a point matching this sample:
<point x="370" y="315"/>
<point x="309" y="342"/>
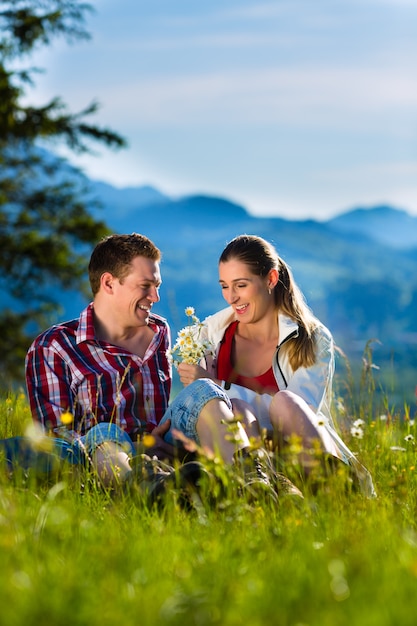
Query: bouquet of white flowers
<point x="189" y="346"/>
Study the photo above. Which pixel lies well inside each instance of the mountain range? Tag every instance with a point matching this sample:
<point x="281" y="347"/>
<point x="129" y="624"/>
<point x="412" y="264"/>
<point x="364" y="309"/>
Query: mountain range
<point x="365" y="257"/>
<point x="357" y="270"/>
<point x="385" y="224"/>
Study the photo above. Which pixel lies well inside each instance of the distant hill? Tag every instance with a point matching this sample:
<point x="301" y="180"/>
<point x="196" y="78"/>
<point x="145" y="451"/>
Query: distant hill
<point x="394" y="227"/>
<point x="127" y="199"/>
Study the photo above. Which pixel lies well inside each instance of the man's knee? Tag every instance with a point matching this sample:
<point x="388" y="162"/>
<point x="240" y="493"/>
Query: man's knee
<point x="111" y="463"/>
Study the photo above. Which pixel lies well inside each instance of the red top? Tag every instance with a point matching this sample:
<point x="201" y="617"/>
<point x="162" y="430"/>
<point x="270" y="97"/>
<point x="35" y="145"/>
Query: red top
<point x="265" y="383"/>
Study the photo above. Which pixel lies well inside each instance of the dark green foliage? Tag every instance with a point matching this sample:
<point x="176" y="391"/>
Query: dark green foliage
<point x="46" y="229"/>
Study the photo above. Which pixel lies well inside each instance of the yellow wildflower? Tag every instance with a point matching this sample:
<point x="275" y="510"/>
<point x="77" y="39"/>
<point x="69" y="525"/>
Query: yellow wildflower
<point x="67" y="418"/>
<point x="148" y="441"/>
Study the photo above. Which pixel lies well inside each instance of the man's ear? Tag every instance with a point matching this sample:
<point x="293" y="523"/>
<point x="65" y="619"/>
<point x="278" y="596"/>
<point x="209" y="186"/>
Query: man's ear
<point x="106" y="282"/>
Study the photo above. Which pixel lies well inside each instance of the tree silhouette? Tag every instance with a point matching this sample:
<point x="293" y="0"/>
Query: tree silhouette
<point x="47" y="222"/>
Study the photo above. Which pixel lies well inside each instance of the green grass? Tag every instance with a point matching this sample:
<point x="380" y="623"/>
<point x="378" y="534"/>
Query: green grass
<point x="72" y="554"/>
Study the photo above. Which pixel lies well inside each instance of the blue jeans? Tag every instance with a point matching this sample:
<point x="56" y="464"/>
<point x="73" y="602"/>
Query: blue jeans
<point x="20" y="452"/>
<point x="185" y="409"/>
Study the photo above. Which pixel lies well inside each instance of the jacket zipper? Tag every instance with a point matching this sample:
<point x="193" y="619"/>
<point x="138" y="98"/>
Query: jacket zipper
<point x="290" y="336"/>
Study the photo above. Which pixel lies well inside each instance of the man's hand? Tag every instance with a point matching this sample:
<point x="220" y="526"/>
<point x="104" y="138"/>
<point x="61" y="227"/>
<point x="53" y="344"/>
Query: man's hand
<point x="164" y="451"/>
<point x="160" y="448"/>
<point x="161" y="430"/>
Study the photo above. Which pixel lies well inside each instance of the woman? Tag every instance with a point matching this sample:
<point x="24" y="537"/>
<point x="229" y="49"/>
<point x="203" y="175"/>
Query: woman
<point x="273" y="357"/>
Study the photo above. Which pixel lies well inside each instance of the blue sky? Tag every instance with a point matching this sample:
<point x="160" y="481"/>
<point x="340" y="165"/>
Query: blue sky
<point x="296" y="108"/>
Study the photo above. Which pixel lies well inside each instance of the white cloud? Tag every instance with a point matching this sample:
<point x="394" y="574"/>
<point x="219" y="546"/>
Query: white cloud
<point x="395" y="4"/>
<point x="359" y="98"/>
<point x="372" y="172"/>
<point x="215" y="40"/>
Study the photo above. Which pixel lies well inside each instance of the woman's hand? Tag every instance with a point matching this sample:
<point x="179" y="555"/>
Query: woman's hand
<point x="189" y="373"/>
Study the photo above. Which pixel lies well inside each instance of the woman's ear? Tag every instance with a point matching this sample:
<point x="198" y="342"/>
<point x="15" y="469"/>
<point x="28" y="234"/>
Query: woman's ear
<point x="273" y="278"/>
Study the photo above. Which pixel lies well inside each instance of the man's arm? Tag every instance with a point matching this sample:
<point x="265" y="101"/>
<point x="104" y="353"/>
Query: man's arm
<point x="48" y="386"/>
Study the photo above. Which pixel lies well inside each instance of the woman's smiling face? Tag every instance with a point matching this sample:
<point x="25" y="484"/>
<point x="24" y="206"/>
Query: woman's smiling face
<point x="247" y="293"/>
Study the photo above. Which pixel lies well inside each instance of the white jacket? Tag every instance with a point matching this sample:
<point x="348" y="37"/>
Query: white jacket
<point x="313" y="384"/>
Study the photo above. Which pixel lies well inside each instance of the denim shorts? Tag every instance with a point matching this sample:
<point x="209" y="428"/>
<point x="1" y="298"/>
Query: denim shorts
<point x="186" y="407"/>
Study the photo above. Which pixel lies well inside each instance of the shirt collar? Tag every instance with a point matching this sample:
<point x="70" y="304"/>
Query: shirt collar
<point x="86" y="330"/>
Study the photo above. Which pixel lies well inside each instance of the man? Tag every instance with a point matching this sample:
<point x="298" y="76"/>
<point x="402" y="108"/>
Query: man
<point x="107" y="370"/>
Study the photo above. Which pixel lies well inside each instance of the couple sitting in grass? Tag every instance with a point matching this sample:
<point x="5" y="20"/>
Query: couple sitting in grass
<point x="102" y="382"/>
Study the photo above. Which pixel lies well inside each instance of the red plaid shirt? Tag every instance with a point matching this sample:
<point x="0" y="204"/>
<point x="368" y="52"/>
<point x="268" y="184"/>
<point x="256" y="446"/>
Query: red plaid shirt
<point x="69" y="369"/>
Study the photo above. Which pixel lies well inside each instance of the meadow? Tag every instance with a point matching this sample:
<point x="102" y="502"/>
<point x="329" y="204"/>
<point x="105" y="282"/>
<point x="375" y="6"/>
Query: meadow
<point x="72" y="553"/>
